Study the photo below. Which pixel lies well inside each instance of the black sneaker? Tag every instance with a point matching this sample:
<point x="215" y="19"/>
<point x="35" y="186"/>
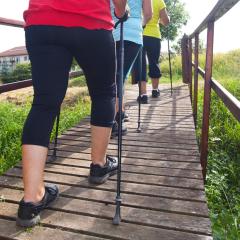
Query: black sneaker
<point x="155" y="93"/>
<point x="115" y="129"/>
<point x="29" y="213"/>
<point x="125" y="117"/>
<point x="100" y="174"/>
<point x="143" y="99"/>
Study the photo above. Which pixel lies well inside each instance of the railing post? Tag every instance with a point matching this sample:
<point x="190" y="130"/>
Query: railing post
<point x="207" y="98"/>
<point x="184" y="48"/>
<point x="196" y="55"/>
<point x="190" y="66"/>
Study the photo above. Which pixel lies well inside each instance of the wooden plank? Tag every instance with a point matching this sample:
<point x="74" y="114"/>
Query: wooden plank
<point x="103" y="227"/>
<point x="83" y="146"/>
<point x="71" y="140"/>
<point x="133" y="155"/>
<point x="127" y="187"/>
<point x="134" y="168"/>
<point x="158" y="219"/>
<point x="9" y="229"/>
<point x="73" y="159"/>
<point x="130" y="178"/>
<point x="148" y="137"/>
<point x="133" y="171"/>
<point x="163" y="129"/>
<point x="137" y="201"/>
<point x="136" y="144"/>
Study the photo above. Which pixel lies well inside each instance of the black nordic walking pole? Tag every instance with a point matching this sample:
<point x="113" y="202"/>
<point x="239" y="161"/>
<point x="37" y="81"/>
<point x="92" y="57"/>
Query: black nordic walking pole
<point x="169" y="52"/>
<point x="54" y="155"/>
<point x="117" y="217"/>
<point x="139" y="89"/>
<point x="169" y="60"/>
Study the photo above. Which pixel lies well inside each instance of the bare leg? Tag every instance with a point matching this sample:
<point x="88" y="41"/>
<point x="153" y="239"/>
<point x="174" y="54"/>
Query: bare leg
<point x="143" y="87"/>
<point x="155" y="83"/>
<point x="122" y="104"/>
<point x="99" y="142"/>
<point x="33" y="161"/>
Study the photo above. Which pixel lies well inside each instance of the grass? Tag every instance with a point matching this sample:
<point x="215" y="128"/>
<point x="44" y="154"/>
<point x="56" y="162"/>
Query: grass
<point x="223" y="175"/>
<point x="12" y="118"/>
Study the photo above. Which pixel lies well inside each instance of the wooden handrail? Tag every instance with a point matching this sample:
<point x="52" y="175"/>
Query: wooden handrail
<point x="221" y="8"/>
<point x="28" y="83"/>
<point x="227" y="98"/>
<point x="232" y="103"/>
<point x="11" y="22"/>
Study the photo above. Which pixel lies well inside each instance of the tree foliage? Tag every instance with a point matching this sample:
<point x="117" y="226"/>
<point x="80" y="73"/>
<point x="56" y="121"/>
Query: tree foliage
<point x="178" y="18"/>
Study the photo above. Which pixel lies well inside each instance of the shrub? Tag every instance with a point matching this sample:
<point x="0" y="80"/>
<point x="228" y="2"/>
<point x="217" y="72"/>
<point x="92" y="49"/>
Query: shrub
<point x="22" y="72"/>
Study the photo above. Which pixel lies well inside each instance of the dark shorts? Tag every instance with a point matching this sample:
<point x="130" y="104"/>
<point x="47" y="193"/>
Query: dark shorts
<point x="151" y="51"/>
<point x="51" y="50"/>
<point x="131" y="51"/>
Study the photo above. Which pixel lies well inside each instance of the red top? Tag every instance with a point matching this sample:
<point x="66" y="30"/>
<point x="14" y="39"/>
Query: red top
<point x="90" y="14"/>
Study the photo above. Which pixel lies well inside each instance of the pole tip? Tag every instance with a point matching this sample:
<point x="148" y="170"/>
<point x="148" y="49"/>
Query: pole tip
<point x="53" y="158"/>
<point x="116" y="219"/>
<point x="139" y="130"/>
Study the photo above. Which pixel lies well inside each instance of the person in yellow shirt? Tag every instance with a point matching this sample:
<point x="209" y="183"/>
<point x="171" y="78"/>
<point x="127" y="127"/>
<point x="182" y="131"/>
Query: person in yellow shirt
<point x="151" y="49"/>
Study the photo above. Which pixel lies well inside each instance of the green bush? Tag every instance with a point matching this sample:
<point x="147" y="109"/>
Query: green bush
<point x="21" y="72"/>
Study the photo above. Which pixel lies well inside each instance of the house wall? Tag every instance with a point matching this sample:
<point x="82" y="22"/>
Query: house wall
<point x="9" y="63"/>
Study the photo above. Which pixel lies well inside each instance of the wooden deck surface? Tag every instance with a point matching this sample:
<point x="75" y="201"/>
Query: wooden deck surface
<point x="162" y="186"/>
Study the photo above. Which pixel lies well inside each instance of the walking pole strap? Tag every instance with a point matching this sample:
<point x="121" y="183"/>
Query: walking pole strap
<point x="122" y="19"/>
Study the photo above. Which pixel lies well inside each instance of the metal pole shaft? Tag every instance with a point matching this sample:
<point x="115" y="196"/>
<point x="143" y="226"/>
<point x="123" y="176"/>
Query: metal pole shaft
<point x="170" y="63"/>
<point x="117" y="217"/>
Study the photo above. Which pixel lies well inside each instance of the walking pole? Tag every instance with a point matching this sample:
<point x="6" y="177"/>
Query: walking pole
<point x="169" y="60"/>
<point x="54" y="155"/>
<point x="169" y="52"/>
<point x="139" y="88"/>
<point x="117" y="217"/>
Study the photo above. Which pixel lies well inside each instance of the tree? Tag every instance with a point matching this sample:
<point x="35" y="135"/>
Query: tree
<point x="178" y="18"/>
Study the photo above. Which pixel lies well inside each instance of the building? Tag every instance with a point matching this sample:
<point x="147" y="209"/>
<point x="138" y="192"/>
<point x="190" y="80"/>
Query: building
<point x="10" y="58"/>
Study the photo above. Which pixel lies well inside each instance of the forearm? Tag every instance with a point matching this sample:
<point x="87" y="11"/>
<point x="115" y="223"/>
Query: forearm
<point x="120" y="7"/>
<point x="164" y="18"/>
<point x="147" y="11"/>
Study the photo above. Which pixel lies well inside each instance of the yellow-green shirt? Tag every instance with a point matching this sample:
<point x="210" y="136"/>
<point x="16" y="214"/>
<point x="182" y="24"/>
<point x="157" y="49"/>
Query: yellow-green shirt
<point x="152" y="28"/>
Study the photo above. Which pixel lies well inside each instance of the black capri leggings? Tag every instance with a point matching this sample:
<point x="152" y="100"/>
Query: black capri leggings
<point x="51" y="50"/>
<point x="151" y="50"/>
<point x="131" y="51"/>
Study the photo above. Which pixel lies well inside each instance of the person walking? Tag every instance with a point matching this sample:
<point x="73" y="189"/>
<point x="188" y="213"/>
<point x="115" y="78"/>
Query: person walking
<point x="152" y="49"/>
<point x="57" y="31"/>
<point x="140" y="15"/>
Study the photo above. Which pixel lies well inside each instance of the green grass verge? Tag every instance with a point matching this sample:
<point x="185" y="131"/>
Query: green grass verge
<point x="12" y="118"/>
<point x="223" y="176"/>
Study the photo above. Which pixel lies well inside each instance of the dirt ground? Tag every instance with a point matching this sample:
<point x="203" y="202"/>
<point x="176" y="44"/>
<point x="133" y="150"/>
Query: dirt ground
<point x="24" y="95"/>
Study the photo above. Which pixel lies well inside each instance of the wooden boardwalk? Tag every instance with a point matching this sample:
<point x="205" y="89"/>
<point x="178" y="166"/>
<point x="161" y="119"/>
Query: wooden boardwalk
<point x="162" y="188"/>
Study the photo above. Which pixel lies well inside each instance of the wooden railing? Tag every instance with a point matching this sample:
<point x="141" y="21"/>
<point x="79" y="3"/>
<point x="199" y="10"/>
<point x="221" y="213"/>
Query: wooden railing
<point x="25" y="83"/>
<point x="228" y="99"/>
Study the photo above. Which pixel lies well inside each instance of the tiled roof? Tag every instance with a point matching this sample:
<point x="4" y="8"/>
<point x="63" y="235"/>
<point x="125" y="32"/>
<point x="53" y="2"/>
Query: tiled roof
<point x="17" y="51"/>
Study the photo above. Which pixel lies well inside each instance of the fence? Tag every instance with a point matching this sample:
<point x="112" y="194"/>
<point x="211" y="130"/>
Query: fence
<point x="220" y="9"/>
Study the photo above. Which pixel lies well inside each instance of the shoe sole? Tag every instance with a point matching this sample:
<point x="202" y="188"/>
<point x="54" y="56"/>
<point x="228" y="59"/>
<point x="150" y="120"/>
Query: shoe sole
<point x="34" y="221"/>
<point x="28" y="223"/>
<point x="100" y="180"/>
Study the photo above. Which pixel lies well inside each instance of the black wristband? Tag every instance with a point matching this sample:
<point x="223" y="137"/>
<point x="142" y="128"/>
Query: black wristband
<point x="124" y="18"/>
